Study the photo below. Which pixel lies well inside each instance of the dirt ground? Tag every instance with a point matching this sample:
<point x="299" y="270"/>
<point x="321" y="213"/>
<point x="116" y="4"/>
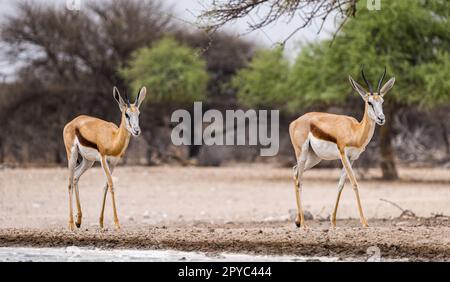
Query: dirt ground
<point x="244" y="209"/>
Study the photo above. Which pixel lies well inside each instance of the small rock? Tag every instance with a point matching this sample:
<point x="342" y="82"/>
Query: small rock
<point x="293" y="214"/>
<point x="214" y="255"/>
<point x="308" y="215"/>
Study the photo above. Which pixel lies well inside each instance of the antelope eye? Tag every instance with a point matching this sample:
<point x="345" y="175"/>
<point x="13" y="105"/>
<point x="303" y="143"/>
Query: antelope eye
<point x="370" y="103"/>
<point x="126" y="115"/>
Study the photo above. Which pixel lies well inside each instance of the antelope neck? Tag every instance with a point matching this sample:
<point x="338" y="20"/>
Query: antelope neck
<point x="366" y="128"/>
<point x="122" y="136"/>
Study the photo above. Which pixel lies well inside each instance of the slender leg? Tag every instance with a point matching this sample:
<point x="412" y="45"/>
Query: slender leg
<point x="298" y="173"/>
<point x="71" y="224"/>
<point x="79" y="171"/>
<point x="72" y="162"/>
<point x="105" y="192"/>
<point x="351" y="176"/>
<point x="340" y="187"/>
<point x="111" y="189"/>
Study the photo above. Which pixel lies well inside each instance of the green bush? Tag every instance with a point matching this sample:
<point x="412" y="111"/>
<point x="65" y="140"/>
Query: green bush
<point x="263" y="82"/>
<point x="173" y="73"/>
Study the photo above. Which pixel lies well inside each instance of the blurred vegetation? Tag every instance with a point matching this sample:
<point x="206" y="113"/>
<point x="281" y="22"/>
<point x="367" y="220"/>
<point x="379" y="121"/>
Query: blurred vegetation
<point x="263" y="82"/>
<point x="172" y="72"/>
<point x="71" y="60"/>
<point x="406" y="36"/>
<point x="410" y="38"/>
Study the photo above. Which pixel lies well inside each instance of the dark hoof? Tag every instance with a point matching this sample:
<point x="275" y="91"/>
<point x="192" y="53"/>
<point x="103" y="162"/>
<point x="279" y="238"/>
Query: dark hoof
<point x="297" y="223"/>
<point x="78" y="224"/>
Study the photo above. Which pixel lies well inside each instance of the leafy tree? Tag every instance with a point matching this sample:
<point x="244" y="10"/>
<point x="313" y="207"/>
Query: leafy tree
<point x="172" y="72"/>
<point x="411" y="38"/>
<point x="265" y="78"/>
<point x="66" y="65"/>
<point x="224" y="55"/>
<point x="80" y="50"/>
<point x="318" y="83"/>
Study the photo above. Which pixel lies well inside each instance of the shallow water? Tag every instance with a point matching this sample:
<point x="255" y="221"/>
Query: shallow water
<point x="74" y="254"/>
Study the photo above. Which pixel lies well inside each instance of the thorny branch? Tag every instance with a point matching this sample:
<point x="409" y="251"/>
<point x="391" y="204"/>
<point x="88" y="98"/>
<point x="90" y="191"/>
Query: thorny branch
<point x="405" y="213"/>
<point x="409" y="213"/>
<point x="270" y="11"/>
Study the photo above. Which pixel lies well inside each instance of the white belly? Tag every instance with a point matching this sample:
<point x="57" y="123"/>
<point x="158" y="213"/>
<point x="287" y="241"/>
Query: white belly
<point x="93" y="155"/>
<point x="88" y="153"/>
<point x="329" y="151"/>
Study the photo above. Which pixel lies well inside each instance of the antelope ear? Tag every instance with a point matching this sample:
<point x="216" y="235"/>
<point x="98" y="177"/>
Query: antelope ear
<point x="140" y="97"/>
<point x="385" y="89"/>
<point x="358" y="88"/>
<point x="118" y="99"/>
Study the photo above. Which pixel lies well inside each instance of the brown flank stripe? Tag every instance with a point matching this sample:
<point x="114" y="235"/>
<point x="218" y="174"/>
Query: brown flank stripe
<point x="319" y="133"/>
<point x="83" y="141"/>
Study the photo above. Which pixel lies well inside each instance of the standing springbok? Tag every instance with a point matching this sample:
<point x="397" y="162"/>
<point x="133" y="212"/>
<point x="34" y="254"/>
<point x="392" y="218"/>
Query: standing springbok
<point x="322" y="136"/>
<point x="99" y="140"/>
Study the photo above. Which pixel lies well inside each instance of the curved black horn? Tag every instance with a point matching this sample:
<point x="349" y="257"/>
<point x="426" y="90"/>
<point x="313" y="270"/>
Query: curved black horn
<point x="381" y="81"/>
<point x="365" y="80"/>
<point x="127" y="99"/>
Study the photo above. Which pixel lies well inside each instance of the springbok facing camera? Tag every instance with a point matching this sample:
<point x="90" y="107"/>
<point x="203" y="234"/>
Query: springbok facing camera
<point x="322" y="136"/>
<point x="99" y="140"/>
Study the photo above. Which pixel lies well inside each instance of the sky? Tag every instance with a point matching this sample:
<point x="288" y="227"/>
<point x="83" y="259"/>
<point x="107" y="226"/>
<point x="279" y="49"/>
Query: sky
<point x="269" y="36"/>
<point x="186" y="11"/>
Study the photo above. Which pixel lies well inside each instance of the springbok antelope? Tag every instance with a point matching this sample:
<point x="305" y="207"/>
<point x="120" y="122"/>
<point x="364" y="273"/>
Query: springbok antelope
<point x="99" y="140"/>
<point x="323" y="136"/>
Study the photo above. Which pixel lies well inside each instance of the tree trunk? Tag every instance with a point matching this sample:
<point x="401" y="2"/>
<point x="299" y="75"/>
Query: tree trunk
<point x="444" y="136"/>
<point x="388" y="167"/>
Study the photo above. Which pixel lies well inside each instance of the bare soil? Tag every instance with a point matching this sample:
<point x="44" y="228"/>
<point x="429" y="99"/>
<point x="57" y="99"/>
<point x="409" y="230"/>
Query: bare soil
<point x="244" y="209"/>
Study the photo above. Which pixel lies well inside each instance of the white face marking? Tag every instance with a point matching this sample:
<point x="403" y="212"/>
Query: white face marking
<point x="132" y="121"/>
<point x="376" y="109"/>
